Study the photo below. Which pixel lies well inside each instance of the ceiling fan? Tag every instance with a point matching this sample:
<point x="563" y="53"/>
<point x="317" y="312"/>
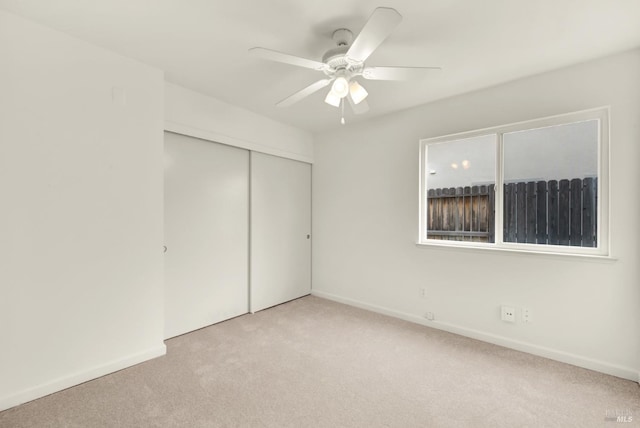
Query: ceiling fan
<point x="343" y="64"/>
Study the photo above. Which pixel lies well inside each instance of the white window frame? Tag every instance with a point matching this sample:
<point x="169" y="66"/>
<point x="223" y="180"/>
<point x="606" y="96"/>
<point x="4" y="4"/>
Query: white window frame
<point x="601" y="250"/>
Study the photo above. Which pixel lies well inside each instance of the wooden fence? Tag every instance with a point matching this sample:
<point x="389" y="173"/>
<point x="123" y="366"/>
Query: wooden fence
<point x="556" y="212"/>
<point x="461" y="214"/>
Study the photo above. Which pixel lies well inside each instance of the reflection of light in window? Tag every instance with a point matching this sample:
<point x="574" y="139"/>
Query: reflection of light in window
<point x="454" y="165"/>
<point x="466" y="164"/>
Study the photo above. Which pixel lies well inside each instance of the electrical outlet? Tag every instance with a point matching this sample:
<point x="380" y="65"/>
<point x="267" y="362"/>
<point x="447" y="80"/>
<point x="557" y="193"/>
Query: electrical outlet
<point x="527" y="316"/>
<point x="430" y="316"/>
<point x="508" y="314"/>
<point x="423" y="292"/>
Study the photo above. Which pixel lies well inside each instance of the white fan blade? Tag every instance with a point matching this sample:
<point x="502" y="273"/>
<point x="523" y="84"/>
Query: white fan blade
<point x="287" y="59"/>
<point x="396" y="73"/>
<point x="304" y="93"/>
<point x="382" y="22"/>
<point x="360" y="108"/>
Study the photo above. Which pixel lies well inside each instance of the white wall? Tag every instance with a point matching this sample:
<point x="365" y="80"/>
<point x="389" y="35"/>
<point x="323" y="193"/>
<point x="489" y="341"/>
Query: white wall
<point x="365" y="214"/>
<point x="81" y="280"/>
<point x="197" y="115"/>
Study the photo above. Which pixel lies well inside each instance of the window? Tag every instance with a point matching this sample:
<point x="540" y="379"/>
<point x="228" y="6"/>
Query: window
<point x="531" y="186"/>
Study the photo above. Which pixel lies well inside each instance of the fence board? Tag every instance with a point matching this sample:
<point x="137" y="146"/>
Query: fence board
<point x="590" y="189"/>
<point x="475" y="209"/>
<point x="553" y="206"/>
<point x="531" y="212"/>
<point x="483" y="209"/>
<point x="467" y="208"/>
<point x="491" y="226"/>
<point x="564" y="195"/>
<point x="575" y="214"/>
<point x="459" y="211"/>
<point x="509" y="212"/>
<point x="439" y="203"/>
<point x="431" y="203"/>
<point x="541" y="212"/>
<point x="521" y="212"/>
<point x="452" y="209"/>
<point x="446" y="217"/>
<point x="434" y="210"/>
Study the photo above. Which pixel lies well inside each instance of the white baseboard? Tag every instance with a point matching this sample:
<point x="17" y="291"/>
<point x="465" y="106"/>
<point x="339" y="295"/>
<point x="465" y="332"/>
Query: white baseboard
<point x="552" y="354"/>
<point x="74" y="379"/>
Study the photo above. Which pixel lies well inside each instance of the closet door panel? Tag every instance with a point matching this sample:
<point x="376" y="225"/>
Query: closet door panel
<point x="206" y="233"/>
<point x="280" y="230"/>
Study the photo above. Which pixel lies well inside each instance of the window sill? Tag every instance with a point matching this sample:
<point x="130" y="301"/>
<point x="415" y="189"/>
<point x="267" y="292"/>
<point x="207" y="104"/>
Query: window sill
<point x="484" y="248"/>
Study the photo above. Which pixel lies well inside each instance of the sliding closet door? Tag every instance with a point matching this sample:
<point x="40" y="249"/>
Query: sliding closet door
<point x="280" y="230"/>
<point x="206" y="233"/>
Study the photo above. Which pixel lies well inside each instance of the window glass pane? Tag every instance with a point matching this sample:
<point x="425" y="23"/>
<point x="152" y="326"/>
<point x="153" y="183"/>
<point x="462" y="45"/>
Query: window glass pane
<point x="460" y="178"/>
<point x="550" y="185"/>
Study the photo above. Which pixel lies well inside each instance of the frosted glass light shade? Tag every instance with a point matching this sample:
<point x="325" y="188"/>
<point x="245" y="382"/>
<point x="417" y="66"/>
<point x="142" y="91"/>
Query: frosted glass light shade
<point x="358" y="93"/>
<point x="340" y="87"/>
<point x="332" y="99"/>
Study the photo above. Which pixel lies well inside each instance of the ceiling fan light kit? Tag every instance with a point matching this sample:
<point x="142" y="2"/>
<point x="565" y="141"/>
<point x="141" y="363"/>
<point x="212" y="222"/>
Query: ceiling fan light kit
<point x="340" y="87"/>
<point x="357" y="92"/>
<point x="332" y="99"/>
<point x="344" y="63"/>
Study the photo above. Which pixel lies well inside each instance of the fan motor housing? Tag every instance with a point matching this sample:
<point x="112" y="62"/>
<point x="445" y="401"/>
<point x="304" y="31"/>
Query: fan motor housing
<point x="336" y="59"/>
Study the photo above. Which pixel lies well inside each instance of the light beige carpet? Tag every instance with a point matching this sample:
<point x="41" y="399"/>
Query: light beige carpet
<point x="316" y="363"/>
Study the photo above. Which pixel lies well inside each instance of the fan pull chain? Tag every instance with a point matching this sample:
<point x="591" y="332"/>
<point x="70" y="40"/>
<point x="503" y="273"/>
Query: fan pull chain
<point x="342" y="105"/>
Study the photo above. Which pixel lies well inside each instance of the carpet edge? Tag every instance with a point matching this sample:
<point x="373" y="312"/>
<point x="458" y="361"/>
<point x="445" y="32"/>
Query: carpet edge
<point x="77" y="378"/>
<point x="541" y="351"/>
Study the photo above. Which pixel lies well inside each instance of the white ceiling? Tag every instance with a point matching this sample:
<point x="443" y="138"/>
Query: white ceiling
<point x="202" y="44"/>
